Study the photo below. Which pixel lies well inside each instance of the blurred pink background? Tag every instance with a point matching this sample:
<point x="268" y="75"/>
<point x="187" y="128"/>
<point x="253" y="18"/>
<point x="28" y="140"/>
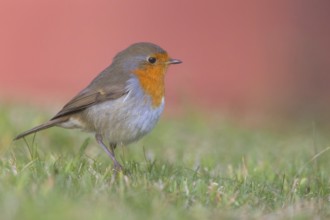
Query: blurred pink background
<point x="244" y="57"/>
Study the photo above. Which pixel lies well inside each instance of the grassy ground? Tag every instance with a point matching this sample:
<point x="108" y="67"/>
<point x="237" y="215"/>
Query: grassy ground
<point x="187" y="168"/>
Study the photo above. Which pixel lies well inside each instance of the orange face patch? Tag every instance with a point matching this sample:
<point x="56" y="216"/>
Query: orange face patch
<point x="151" y="77"/>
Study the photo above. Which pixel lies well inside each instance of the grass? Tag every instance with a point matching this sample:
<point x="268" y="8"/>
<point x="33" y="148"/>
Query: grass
<point x="192" y="167"/>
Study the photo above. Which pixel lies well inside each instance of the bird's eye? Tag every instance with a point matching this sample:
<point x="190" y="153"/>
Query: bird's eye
<point x="152" y="60"/>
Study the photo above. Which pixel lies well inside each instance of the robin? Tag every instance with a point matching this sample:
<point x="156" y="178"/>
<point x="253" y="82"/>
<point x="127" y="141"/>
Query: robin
<point x="123" y="103"/>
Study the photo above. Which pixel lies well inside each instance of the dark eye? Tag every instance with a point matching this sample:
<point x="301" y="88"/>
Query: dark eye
<point x="152" y="59"/>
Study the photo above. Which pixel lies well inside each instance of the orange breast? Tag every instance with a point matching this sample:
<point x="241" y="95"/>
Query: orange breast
<point x="152" y="77"/>
<point x="152" y="82"/>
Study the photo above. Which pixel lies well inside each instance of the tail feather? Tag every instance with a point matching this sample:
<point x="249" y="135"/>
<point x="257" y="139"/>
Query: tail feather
<point x="43" y="126"/>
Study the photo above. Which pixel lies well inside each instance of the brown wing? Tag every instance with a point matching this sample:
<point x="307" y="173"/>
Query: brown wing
<point x="110" y="84"/>
<point x="89" y="97"/>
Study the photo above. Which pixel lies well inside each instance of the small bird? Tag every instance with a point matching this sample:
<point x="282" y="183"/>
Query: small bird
<point x="123" y="103"/>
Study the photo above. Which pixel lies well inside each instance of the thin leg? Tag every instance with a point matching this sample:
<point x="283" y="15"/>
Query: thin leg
<point x="110" y="152"/>
<point x="113" y="147"/>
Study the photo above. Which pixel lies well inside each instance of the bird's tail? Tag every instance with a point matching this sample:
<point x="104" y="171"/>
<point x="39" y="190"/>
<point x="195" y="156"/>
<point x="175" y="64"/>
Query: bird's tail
<point x="43" y="126"/>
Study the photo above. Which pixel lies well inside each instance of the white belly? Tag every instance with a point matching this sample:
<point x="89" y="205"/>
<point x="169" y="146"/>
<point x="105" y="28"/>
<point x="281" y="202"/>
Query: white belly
<point x="123" y="120"/>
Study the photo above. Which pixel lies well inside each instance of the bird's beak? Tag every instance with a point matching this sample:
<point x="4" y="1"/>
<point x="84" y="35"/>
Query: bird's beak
<point x="174" y="61"/>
